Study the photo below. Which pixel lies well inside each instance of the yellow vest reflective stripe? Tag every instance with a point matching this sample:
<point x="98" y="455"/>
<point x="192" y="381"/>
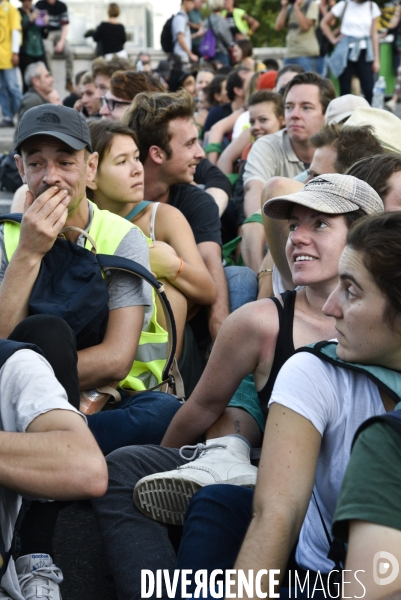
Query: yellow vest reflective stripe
<point x="107" y="230"/>
<point x="240" y="24"/>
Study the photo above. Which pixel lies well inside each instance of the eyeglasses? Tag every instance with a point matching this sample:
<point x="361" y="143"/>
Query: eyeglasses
<point x="111" y="104"/>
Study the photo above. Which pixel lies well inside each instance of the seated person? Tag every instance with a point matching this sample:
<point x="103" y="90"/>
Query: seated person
<point x="174" y="256"/>
<point x="43" y="432"/>
<point x="337" y="148"/>
<point x="266" y="115"/>
<point x="55" y="159"/>
<point x="124" y="86"/>
<point x="368" y="510"/>
<point x="246" y="343"/>
<point x="319" y="400"/>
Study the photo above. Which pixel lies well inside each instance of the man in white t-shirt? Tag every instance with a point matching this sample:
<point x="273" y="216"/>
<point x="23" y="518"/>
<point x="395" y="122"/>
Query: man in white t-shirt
<point x="182" y="33"/>
<point x="58" y="459"/>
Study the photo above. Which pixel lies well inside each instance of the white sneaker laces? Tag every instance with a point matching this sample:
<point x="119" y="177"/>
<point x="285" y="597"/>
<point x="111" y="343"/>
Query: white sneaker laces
<point x="29" y="582"/>
<point x="199" y="450"/>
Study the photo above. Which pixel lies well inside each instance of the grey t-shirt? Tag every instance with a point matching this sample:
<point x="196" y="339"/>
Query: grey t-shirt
<point x="124" y="289"/>
<point x="28" y="388"/>
<point x="272" y="155"/>
<point x="180" y="24"/>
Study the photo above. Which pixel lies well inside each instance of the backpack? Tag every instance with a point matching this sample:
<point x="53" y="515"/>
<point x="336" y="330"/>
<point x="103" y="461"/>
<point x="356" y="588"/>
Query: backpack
<point x="70" y="285"/>
<point x="166" y="37"/>
<point x="388" y="381"/>
<point x="10" y="178"/>
<point x="207" y="47"/>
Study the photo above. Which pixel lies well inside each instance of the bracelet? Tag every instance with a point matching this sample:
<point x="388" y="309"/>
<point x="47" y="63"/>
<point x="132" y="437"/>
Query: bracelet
<point x="179" y="269"/>
<point x="264" y="271"/>
<point x="214" y="147"/>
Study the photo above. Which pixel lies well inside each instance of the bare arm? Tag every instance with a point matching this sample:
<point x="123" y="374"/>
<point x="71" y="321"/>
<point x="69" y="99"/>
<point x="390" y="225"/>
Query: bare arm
<point x="59" y="47"/>
<point x="395" y="18"/>
<point x="375" y="41"/>
<point x="56" y="458"/>
<point x="236" y="353"/>
<point x="219" y="310"/>
<point x="364" y="542"/>
<point x="234" y="151"/>
<point x="265" y="277"/>
<point x="42" y="222"/>
<point x="182" y="43"/>
<point x="325" y="24"/>
<point x="220" y="196"/>
<point x="252" y="22"/>
<point x="304" y="23"/>
<point x="285" y="480"/>
<point x="112" y="359"/>
<point x="276" y="230"/>
<point x="219" y="130"/>
<point x="281" y="20"/>
<point x="194" y="280"/>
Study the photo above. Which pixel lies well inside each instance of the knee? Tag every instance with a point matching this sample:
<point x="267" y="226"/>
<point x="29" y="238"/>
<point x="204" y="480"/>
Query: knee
<point x="222" y="499"/>
<point x="43" y="328"/>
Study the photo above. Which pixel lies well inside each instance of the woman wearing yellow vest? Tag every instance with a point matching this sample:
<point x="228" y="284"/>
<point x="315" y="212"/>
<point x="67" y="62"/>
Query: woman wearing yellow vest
<point x="174" y="256"/>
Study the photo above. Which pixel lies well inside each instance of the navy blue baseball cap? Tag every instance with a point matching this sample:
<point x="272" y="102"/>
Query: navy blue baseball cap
<point x="65" y="124"/>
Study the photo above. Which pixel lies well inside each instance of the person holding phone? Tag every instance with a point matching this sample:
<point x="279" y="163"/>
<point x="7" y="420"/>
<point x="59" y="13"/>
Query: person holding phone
<point x="300" y="18"/>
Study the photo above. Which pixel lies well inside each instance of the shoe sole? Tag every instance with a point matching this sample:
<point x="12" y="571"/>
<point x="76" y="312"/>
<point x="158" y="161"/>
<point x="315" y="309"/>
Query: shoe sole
<point x="166" y="499"/>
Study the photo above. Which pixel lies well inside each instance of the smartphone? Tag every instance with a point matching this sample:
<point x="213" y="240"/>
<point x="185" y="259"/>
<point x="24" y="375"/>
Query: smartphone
<point x="41" y="20"/>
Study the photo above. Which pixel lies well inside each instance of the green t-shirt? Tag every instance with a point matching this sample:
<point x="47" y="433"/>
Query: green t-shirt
<point x="371" y="488"/>
<point x="302" y="43"/>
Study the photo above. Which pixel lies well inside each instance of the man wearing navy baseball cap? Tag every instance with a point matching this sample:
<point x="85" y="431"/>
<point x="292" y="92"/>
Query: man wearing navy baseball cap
<point x="55" y="159"/>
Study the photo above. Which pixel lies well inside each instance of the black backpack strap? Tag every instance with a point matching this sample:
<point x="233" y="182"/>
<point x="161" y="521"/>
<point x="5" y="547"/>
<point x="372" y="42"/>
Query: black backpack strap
<point x="13" y="217"/>
<point x="171" y="374"/>
<point x="336" y="551"/>
<point x="392" y="418"/>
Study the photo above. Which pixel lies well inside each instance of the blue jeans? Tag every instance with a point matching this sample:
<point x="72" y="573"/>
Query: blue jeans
<point x="242" y="286"/>
<point x="306" y="62"/>
<point x="139" y="419"/>
<point x="215" y="525"/>
<point x="223" y="58"/>
<point x="10" y="93"/>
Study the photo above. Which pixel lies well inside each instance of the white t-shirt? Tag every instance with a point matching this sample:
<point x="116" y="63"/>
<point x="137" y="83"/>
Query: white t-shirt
<point x="28" y="388"/>
<point x="240" y="124"/>
<point x="358" y="17"/>
<point x="336" y="401"/>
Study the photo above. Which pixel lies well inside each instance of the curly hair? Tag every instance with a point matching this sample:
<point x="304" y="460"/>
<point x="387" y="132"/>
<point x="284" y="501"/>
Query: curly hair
<point x="150" y="114"/>
<point x="127" y="84"/>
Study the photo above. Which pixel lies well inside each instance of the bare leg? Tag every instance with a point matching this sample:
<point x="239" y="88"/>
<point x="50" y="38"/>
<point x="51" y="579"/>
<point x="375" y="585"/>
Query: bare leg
<point x="236" y="420"/>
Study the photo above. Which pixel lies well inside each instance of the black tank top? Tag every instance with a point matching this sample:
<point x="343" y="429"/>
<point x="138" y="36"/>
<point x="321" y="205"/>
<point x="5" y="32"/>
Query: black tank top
<point x="284" y="346"/>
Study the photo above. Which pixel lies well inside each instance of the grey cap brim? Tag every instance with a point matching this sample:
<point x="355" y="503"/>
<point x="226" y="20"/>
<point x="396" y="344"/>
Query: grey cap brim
<point x="71" y="141"/>
<point x="280" y="207"/>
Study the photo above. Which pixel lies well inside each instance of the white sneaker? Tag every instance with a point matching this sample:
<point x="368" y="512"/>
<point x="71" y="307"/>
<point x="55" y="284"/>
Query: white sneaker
<point x="165" y="496"/>
<point x="38" y="577"/>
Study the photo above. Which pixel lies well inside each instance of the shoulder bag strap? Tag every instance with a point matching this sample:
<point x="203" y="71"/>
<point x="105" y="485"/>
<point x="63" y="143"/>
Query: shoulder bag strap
<point x="171" y="375"/>
<point x="137" y="209"/>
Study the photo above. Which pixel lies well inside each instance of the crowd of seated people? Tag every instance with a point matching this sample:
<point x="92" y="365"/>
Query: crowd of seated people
<point x="269" y="209"/>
